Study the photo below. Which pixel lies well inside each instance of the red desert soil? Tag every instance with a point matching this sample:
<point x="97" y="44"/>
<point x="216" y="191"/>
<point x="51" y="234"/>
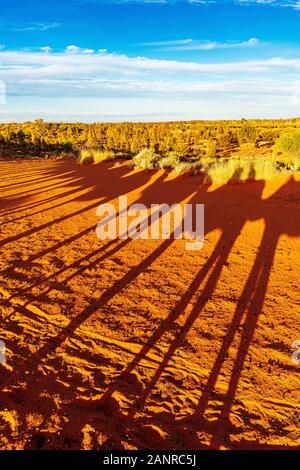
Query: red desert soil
<point x="142" y="344"/>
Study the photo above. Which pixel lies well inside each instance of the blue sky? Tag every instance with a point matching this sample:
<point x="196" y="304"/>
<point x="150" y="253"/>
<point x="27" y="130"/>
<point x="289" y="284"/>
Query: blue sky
<point x="109" y="60"/>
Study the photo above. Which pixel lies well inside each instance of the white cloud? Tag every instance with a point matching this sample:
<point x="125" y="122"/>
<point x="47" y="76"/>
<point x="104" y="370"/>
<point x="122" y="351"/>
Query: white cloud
<point x="46" y="49"/>
<point x="197" y="45"/>
<point x="38" y="26"/>
<point x="175" y="42"/>
<point x="77" y="50"/>
<point x="88" y="78"/>
<point x="76" y="61"/>
<point x="295" y="4"/>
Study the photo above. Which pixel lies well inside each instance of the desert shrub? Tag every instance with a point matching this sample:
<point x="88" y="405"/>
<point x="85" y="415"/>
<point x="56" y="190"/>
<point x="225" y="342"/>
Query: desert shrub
<point x="88" y="156"/>
<point x="169" y="162"/>
<point x="247" y="134"/>
<point x="288" y="143"/>
<point x="287" y="150"/>
<point x="226" y="140"/>
<point x="188" y="168"/>
<point x="211" y="148"/>
<point x="268" y="135"/>
<point x="146" y="159"/>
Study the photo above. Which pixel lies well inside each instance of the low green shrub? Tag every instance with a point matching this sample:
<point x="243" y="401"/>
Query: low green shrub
<point x="146" y="159"/>
<point x="288" y="144"/>
<point x="287" y="151"/>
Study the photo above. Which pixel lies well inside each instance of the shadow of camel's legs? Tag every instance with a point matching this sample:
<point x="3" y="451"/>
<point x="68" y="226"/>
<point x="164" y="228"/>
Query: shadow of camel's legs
<point x="251" y="305"/>
<point x="42" y="202"/>
<point x="196" y="311"/>
<point x="218" y="258"/>
<point x="167" y="322"/>
<point x="32" y="363"/>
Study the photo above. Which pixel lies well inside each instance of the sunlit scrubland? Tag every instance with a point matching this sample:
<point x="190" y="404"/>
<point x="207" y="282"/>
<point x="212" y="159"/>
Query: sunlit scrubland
<point x="219" y="150"/>
<point x="248" y="163"/>
<point x="219" y="159"/>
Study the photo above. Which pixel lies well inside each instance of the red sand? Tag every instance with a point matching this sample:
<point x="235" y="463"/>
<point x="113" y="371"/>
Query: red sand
<point x="142" y="344"/>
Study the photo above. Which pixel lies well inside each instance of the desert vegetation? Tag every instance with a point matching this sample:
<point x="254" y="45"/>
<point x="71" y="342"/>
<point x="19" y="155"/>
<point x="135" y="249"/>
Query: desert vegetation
<point x="221" y="150"/>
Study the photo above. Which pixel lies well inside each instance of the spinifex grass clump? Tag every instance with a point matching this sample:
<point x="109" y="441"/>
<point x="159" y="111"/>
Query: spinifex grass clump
<point x="169" y="162"/>
<point x="242" y="169"/>
<point x="188" y="168"/>
<point x="95" y="156"/>
<point x="148" y="159"/>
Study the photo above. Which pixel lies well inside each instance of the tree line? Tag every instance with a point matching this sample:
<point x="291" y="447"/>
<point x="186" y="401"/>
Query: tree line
<point x="190" y="139"/>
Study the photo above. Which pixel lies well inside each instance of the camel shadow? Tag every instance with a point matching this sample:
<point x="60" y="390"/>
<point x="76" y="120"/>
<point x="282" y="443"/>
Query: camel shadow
<point x="106" y="184"/>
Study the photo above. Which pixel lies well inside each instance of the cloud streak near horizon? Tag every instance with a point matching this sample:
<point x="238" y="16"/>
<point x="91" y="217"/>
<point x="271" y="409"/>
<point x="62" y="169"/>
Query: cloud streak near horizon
<point x="197" y="45"/>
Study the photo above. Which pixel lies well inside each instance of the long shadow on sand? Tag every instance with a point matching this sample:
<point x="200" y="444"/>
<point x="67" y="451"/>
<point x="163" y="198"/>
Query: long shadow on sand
<point x="230" y="222"/>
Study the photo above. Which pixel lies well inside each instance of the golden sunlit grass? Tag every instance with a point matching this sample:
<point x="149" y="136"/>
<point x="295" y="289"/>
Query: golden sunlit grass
<point x="95" y="156"/>
<point x="188" y="168"/>
<point x="249" y="162"/>
<point x="239" y="169"/>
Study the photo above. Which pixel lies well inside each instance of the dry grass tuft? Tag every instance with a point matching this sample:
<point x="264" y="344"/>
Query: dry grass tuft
<point x="88" y="156"/>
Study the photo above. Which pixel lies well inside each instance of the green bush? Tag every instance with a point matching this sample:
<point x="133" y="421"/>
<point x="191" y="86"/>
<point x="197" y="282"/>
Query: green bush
<point x="288" y="144"/>
<point x="146" y="159"/>
<point x="287" y="151"/>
